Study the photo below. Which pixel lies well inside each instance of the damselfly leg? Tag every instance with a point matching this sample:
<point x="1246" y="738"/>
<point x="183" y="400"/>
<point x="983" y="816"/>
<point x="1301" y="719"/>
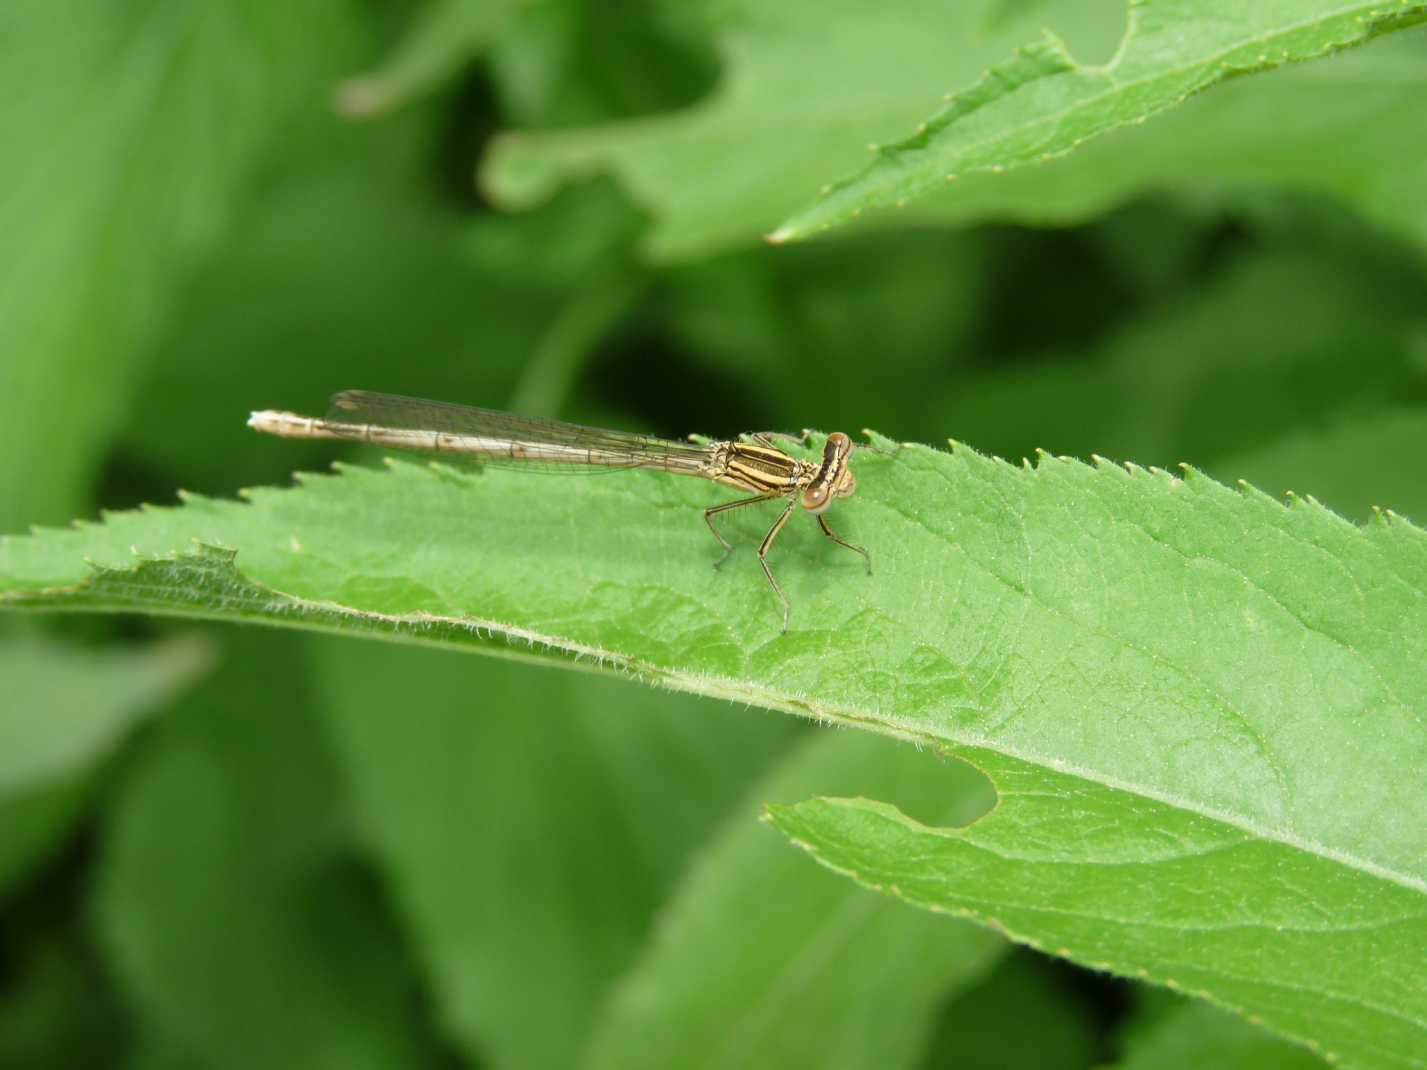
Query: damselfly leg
<point x="725" y="507"/>
<point x="766" y="438"/>
<point x="822" y="523"/>
<point x="767" y="543"/>
<point x="763" y="557"/>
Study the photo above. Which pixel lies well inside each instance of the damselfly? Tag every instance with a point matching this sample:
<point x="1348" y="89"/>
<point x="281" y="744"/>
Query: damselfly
<point x="753" y="463"/>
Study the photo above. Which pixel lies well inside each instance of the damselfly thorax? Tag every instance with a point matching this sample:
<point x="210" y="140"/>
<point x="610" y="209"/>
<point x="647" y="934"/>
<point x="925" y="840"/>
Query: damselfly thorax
<point x="753" y="464"/>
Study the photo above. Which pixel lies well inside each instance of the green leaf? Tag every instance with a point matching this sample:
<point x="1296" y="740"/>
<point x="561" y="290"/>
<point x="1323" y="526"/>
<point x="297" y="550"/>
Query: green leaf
<point x="1199" y="1035"/>
<point x="130" y="131"/>
<point x="1172" y="908"/>
<point x="66" y="709"/>
<point x="35" y="821"/>
<point x="760" y="147"/>
<point x="806" y="86"/>
<point x="56" y="1010"/>
<point x="763" y="953"/>
<point x="1345" y="128"/>
<point x="1355" y="464"/>
<point x="1214" y="692"/>
<point x="1043" y="103"/>
<point x="556" y="63"/>
<point x="801" y="324"/>
<point x="1207" y="374"/>
<point x="528" y="834"/>
<point x="1022" y="1016"/>
<point x="570" y="62"/>
<point x="442" y="39"/>
<point x="227" y="898"/>
<point x="345" y="246"/>
<point x="999" y="11"/>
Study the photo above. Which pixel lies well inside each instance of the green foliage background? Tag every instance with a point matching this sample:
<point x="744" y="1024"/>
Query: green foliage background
<point x="1174" y="232"/>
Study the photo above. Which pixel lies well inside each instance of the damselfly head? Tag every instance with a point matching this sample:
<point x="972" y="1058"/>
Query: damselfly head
<point x="833" y="479"/>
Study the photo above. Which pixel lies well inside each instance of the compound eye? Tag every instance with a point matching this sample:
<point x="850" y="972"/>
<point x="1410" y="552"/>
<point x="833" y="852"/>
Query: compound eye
<point x="816" y="498"/>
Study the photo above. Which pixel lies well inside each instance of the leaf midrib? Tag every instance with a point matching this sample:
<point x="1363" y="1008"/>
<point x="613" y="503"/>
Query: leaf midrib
<point x="279" y="609"/>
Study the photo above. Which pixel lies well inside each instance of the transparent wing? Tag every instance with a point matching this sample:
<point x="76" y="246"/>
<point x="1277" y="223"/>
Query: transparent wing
<point x="508" y="439"/>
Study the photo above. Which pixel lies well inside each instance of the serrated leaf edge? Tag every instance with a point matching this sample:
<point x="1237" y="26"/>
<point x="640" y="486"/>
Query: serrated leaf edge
<point x="1047" y="57"/>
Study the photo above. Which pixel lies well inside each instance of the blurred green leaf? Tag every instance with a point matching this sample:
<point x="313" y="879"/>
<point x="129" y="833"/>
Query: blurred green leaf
<point x="763" y="959"/>
<point x="1212" y="371"/>
<point x="564" y="63"/>
<point x="154" y="1051"/>
<point x="1352" y="465"/>
<point x="1017" y="1018"/>
<point x="729" y="170"/>
<point x="999" y="11"/>
<point x="555" y="365"/>
<point x="228" y="897"/>
<point x="557" y="62"/>
<point x="459" y="301"/>
<point x="35" y="821"/>
<point x="66" y="708"/>
<point x="806" y="85"/>
<point x="1043" y="103"/>
<point x="55" y="1010"/>
<point x="529" y="825"/>
<point x="443" y="37"/>
<point x="130" y="132"/>
<point x="1197" y="1034"/>
<point x="1227" y="689"/>
<point x="1346" y="127"/>
<point x="812" y="329"/>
